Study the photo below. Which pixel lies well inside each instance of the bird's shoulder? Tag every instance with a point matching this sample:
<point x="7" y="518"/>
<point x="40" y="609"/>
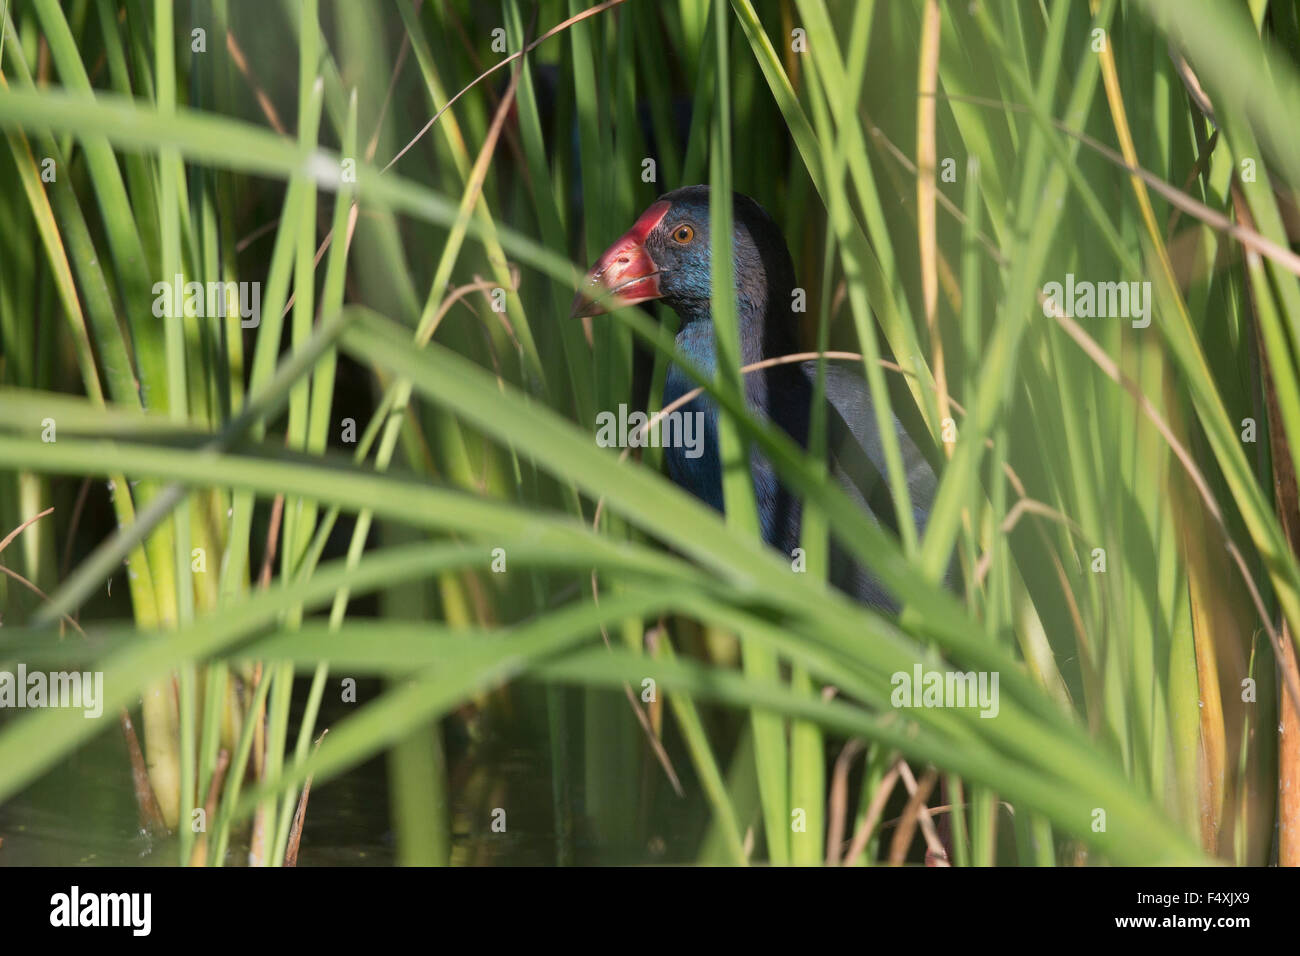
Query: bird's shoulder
<point x="854" y="420"/>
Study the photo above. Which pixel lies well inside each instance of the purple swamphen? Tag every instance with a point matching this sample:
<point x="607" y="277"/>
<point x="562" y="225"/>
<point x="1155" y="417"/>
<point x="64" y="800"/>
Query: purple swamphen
<point x="665" y="255"/>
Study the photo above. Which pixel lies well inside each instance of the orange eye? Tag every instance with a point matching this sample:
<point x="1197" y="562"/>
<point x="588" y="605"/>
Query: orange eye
<point x="683" y="234"/>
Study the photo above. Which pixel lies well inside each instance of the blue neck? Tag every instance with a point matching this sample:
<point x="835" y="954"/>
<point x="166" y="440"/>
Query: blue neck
<point x="697" y="337"/>
<point x="697" y="345"/>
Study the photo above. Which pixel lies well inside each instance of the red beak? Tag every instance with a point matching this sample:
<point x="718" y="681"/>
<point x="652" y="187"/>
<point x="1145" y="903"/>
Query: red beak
<point x="625" y="274"/>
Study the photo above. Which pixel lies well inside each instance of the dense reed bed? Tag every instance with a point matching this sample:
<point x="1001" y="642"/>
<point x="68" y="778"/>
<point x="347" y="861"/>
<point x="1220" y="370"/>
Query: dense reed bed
<point x="367" y="497"/>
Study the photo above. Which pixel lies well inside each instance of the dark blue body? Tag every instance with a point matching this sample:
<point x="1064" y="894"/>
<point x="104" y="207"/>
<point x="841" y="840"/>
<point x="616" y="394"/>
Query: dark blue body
<point x="784" y="395"/>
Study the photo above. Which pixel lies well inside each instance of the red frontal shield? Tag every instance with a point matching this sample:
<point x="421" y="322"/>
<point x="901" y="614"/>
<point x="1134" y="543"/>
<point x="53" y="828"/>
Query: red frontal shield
<point x="625" y="274"/>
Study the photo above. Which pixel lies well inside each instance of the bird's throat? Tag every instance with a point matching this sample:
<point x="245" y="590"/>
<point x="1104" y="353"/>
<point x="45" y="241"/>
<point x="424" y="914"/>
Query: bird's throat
<point x="697" y="337"/>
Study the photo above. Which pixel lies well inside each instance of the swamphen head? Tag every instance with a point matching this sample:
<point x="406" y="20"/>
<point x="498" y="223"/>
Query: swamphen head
<point x="666" y="255"/>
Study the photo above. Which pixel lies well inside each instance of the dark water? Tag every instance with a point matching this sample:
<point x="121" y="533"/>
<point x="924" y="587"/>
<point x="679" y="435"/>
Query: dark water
<point x="83" y="811"/>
